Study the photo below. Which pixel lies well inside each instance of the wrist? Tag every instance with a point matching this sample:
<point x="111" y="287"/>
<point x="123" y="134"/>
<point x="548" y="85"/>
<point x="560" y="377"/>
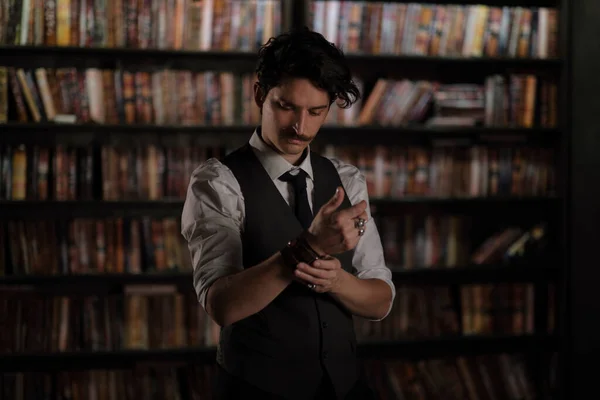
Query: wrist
<point x="311" y="241"/>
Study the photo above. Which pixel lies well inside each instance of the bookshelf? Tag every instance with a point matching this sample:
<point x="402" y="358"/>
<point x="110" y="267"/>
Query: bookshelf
<point x="492" y="210"/>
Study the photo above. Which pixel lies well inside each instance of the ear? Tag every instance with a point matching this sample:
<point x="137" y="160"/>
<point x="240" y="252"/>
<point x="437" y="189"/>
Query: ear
<point x="259" y="96"/>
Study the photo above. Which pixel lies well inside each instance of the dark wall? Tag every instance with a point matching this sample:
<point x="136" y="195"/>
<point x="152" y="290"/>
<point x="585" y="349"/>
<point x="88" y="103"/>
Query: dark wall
<point x="583" y="279"/>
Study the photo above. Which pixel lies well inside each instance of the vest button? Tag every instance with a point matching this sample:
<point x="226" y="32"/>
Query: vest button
<point x="325" y="324"/>
<point x="325" y="355"/>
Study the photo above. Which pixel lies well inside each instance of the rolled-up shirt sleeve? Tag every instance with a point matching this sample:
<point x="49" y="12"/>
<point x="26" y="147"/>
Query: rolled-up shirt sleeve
<point x="211" y="222"/>
<point x="368" y="259"/>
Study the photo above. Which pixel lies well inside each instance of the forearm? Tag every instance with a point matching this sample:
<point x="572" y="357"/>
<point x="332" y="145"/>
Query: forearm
<point x="366" y="298"/>
<point x="235" y="297"/>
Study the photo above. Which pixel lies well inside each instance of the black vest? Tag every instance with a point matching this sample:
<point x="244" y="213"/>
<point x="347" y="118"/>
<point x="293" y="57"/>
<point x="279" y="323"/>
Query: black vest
<point x="288" y="346"/>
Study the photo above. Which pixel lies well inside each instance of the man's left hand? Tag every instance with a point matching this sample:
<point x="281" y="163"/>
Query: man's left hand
<point x="326" y="274"/>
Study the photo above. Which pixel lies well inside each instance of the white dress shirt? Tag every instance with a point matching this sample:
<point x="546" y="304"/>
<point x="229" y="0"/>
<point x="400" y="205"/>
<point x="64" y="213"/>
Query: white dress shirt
<point x="213" y="217"/>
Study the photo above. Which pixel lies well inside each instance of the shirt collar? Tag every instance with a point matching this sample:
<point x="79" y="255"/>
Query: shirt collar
<point x="274" y="163"/>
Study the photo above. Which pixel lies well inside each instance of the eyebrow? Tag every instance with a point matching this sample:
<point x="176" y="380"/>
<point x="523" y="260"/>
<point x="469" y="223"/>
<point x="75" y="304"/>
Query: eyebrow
<point x="310" y="108"/>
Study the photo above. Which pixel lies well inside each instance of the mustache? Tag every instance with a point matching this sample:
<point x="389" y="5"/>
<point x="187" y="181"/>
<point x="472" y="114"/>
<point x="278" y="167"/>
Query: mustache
<point x="293" y="135"/>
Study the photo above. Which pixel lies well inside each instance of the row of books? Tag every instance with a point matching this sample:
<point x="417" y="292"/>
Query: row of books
<point x="147" y="171"/>
<point x="424" y="241"/>
<point x="434" y="311"/>
<point x="144" y="171"/>
<point x="496" y="308"/>
<point x="493" y="376"/>
<point x="87" y="246"/>
<point x="192" y="382"/>
<point x="451" y="171"/>
<point x="145" y="245"/>
<point x="152" y="24"/>
<point x="501" y="376"/>
<point x="125" y="97"/>
<point x="145" y="317"/>
<point x="514" y="100"/>
<point x="445" y="241"/>
<point x="158" y="317"/>
<point x="437" y="30"/>
<point x="150" y="172"/>
<point x="224" y="98"/>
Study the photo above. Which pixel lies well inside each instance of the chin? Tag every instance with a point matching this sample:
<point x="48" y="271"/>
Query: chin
<point x="290" y="147"/>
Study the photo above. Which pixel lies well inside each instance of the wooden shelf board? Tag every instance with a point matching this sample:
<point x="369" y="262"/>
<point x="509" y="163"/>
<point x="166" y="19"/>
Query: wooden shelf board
<point x="83" y="134"/>
<point x="405" y="349"/>
<point x="29" y="209"/>
<point x="83" y="284"/>
<point x="129" y="58"/>
<point x="497" y="3"/>
<point x="245" y="62"/>
<point x="494" y="273"/>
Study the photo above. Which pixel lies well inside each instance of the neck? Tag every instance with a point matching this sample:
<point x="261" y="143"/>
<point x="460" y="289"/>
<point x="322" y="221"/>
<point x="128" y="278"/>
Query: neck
<point x="293" y="159"/>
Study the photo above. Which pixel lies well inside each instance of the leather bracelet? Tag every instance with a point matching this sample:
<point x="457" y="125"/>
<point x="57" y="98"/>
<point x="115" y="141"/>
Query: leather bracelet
<point x="287" y="254"/>
<point x="298" y="250"/>
<point x="304" y="242"/>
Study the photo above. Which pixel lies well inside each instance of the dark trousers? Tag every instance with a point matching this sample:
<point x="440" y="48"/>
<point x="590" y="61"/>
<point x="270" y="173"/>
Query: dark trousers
<point x="229" y="387"/>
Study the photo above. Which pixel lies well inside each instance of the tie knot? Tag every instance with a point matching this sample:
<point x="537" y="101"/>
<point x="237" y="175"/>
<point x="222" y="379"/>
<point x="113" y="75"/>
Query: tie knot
<point x="298" y="180"/>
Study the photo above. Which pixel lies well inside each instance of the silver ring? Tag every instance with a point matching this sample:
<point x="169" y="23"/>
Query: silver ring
<point x="359" y="223"/>
<point x="361" y="231"/>
<point x="311" y="286"/>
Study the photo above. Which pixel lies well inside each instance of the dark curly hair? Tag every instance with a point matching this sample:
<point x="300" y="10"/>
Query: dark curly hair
<point x="303" y="53"/>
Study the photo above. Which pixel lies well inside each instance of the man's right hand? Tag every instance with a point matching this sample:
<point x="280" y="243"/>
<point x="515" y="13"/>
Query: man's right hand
<point x="333" y="231"/>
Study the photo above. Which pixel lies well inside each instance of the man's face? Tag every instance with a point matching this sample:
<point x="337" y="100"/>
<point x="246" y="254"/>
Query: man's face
<point x="292" y="114"/>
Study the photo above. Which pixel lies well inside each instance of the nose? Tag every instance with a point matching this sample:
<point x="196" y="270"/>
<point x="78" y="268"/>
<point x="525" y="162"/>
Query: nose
<point x="299" y="126"/>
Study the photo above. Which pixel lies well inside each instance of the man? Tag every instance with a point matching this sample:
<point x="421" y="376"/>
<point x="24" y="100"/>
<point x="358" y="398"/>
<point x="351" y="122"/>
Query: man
<point x="282" y="284"/>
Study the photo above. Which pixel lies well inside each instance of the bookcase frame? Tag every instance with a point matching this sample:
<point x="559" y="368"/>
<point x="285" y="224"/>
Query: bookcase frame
<point x="575" y="202"/>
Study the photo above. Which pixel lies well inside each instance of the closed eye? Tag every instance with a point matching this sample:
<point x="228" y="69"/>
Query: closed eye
<point x="315" y="112"/>
<point x="285" y="106"/>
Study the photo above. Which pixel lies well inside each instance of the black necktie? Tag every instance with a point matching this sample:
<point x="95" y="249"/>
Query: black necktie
<point x="301" y="206"/>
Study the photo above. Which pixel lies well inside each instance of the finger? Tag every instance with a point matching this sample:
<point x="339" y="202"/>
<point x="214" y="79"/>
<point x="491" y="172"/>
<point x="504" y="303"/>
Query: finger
<point x="315" y="272"/>
<point x="321" y="289"/>
<point x="329" y="263"/>
<point x="354" y="211"/>
<point x="363" y="216"/>
<point x="311" y="279"/>
<point x="334" y="202"/>
<point x="350" y="230"/>
<point x="357" y="229"/>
